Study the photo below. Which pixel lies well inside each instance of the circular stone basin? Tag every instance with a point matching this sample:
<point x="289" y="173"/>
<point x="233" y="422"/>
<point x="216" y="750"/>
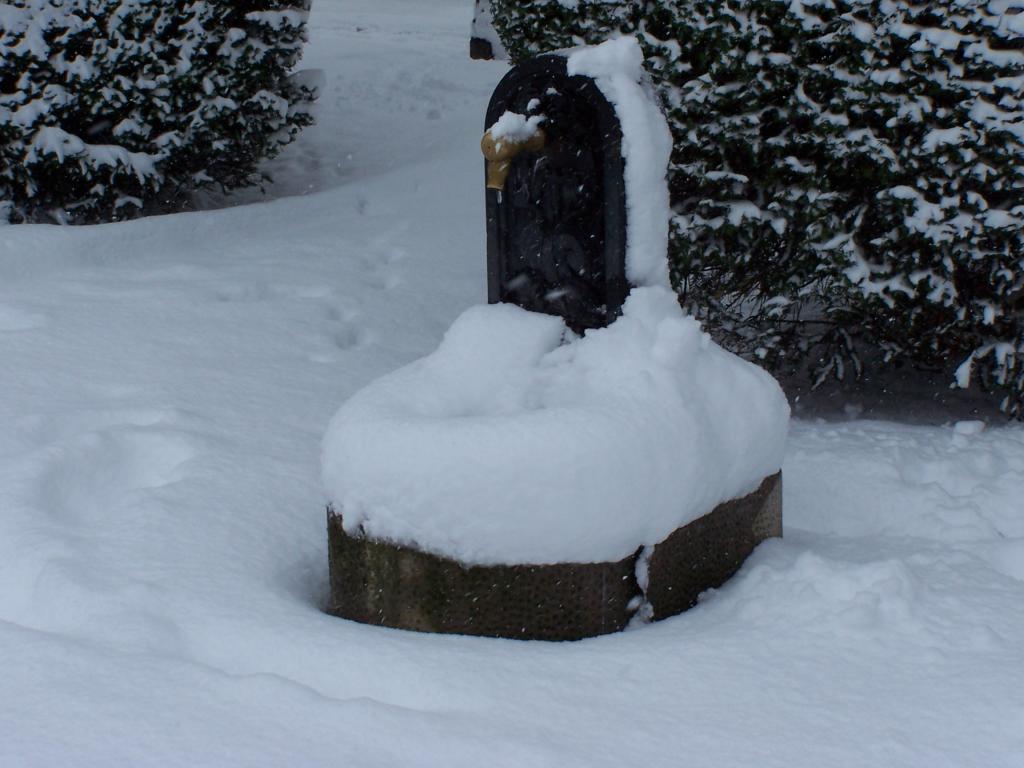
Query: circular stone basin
<point x="379" y="582"/>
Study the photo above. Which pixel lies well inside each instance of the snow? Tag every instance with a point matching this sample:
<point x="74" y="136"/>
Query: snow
<point x="617" y="67"/>
<point x="166" y="383"/>
<point x="61" y="144"/>
<point x="507" y="445"/>
<point x="515" y="128"/>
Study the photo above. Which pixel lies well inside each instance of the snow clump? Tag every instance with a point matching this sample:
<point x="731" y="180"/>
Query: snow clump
<point x="515" y="128"/>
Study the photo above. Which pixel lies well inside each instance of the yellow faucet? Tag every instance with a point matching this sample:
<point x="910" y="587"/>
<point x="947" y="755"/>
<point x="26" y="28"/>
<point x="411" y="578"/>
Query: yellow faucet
<point x="499" y="154"/>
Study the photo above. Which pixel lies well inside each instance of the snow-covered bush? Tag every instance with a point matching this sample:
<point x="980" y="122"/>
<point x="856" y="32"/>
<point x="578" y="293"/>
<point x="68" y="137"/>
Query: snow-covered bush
<point x="848" y="175"/>
<point x="107" y="106"/>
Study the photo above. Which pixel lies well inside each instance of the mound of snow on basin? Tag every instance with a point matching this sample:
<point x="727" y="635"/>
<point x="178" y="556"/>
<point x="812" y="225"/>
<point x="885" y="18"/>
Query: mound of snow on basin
<point x="517" y="442"/>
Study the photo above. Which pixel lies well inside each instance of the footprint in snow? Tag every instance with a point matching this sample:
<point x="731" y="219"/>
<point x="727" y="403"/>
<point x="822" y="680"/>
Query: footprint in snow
<point x="112" y="473"/>
<point x="383" y="263"/>
<point x="343" y="333"/>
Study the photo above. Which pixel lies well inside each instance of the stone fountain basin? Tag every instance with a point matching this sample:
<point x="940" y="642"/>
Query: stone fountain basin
<point x="379" y="582"/>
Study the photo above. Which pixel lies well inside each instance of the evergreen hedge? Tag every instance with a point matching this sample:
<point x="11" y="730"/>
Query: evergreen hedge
<point x="848" y="175"/>
<point x="110" y="106"/>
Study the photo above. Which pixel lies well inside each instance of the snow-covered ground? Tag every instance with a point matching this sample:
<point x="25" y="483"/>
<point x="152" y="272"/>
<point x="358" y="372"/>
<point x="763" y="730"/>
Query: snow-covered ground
<point x="165" y="387"/>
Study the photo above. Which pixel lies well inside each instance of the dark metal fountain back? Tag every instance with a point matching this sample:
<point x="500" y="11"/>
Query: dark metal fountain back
<point x="556" y="234"/>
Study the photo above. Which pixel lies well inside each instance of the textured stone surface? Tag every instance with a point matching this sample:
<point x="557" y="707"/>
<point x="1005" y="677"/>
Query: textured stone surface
<point x="380" y="583"/>
<point x="376" y="582"/>
<point x="706" y="552"/>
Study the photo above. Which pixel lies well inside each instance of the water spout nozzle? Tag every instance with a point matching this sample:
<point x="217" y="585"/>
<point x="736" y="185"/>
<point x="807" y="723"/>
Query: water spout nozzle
<point x="499" y="154"/>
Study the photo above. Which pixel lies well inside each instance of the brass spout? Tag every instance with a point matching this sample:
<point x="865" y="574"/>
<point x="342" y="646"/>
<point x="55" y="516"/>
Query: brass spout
<point x="499" y="154"/>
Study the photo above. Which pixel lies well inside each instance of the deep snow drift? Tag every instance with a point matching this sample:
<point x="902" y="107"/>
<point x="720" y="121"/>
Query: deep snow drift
<point x="166" y="384"/>
<point x="515" y="444"/>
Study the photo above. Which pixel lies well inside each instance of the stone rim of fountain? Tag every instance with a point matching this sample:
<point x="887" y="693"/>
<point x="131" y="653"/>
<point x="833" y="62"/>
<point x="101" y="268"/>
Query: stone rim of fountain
<point x="393" y="585"/>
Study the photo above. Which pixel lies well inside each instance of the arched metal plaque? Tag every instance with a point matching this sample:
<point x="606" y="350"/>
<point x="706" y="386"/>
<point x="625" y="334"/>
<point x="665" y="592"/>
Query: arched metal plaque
<point x="556" y="233"/>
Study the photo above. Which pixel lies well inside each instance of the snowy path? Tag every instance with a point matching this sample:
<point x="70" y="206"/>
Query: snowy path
<point x="162" y="548"/>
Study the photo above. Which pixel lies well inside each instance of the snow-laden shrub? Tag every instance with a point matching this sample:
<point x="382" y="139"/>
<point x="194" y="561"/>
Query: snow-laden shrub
<point x="107" y="106"/>
<point x="848" y="175"/>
